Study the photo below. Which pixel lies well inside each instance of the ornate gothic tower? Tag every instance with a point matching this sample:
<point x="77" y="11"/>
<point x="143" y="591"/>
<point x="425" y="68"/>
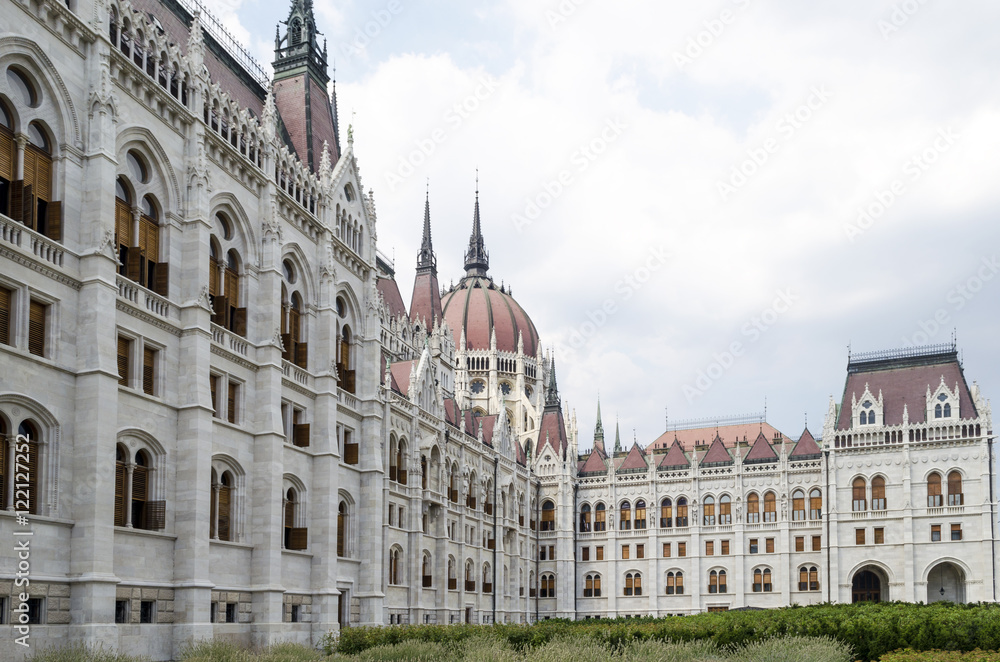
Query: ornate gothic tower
<point x="308" y="114"/>
<point x="425" y="304"/>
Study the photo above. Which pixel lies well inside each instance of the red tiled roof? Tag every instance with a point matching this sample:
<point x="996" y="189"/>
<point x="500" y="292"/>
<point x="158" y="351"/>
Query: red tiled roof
<point x="594" y="462"/>
<point x="401" y="376"/>
<point x="478" y="307"/>
<point x="635" y="459"/>
<point x="731" y="434"/>
<point x="389" y="290"/>
<point x="761" y="451"/>
<point x="290" y="100"/>
<point x="425" y="304"/>
<point x="905" y="382"/>
<point x="675" y="457"/>
<point x="717" y="453"/>
<point x="552" y="430"/>
<point x="322" y="124"/>
<point x="806" y="445"/>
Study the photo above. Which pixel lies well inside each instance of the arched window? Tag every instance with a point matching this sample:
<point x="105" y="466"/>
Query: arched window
<point x="600" y="518"/>
<point x="452" y="579"/>
<point x="427" y="571"/>
<point x="342" y="529"/>
<point x="8" y="158"/>
<point x="666" y="514"/>
<point x="708" y="518"/>
<point x="633" y="583"/>
<point x="137" y="224"/>
<point x="640" y="514"/>
<point x="345" y="366"/>
<point x="487" y="579"/>
<point x="222" y="494"/>
<point x="548" y="516"/>
<point x="675" y="583"/>
<point x="725" y="509"/>
<point x="140" y="489"/>
<point x="934" y="499"/>
<point x="770" y="508"/>
<point x="863" y="418"/>
<point x="937" y="411"/>
<point x="955" y="497"/>
<point x="453" y="484"/>
<point x="798" y="505"/>
<point x="860" y="498"/>
<point x="295" y="537"/>
<point x="121" y="462"/>
<point x="397" y="462"/>
<point x="470" y="575"/>
<point x="394" y="566"/>
<point x="293" y="327"/>
<point x="878" y="493"/>
<point x="592" y="586"/>
<point x="717" y="581"/>
<point x="548" y="586"/>
<point x="682" y="512"/>
<point x="762" y="580"/>
<point x="585" y="518"/>
<point x="808" y="578"/>
<point x="815" y="504"/>
<point x="224" y="280"/>
<point x="753" y="509"/>
<point x="625" y="516"/>
<point x="947" y="410"/>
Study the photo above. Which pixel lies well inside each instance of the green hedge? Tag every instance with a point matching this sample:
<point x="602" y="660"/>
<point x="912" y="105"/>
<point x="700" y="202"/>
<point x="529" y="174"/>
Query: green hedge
<point x="911" y="655"/>
<point x="872" y="630"/>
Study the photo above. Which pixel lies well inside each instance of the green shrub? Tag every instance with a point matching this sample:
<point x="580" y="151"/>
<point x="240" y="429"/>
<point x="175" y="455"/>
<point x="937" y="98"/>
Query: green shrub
<point x="218" y="650"/>
<point x="81" y="653"/>
<point x="911" y="655"/>
<point x="409" y="651"/>
<point x="649" y="650"/>
<point x="793" y="649"/>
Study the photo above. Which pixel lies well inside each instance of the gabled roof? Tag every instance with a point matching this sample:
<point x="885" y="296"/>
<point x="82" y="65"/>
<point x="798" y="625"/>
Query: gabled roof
<point x="400" y="373"/>
<point x="389" y="290"/>
<point x="594" y="463"/>
<point x="675" y="457"/>
<point x="636" y="459"/>
<point x="730" y="434"/>
<point x="806" y="446"/>
<point x="552" y="432"/>
<point x="717" y="453"/>
<point x="761" y="451"/>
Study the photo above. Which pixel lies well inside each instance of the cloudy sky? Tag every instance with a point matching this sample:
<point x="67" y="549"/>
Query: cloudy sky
<point x="701" y="205"/>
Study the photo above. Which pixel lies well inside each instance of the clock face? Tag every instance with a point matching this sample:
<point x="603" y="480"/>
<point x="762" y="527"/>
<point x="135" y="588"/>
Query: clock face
<point x="478" y="386"/>
<point x="505" y="388"/>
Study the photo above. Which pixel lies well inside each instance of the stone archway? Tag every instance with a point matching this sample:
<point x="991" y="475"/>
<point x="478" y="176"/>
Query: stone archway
<point x="869" y="585"/>
<point x="945" y="581"/>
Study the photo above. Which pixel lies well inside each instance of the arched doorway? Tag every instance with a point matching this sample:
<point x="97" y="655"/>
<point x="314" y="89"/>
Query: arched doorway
<point x="945" y="581"/>
<point x="866" y="587"/>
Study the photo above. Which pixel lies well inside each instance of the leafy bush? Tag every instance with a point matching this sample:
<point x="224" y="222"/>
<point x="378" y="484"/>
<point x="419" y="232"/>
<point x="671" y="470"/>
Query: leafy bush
<point x="910" y="655"/>
<point x="218" y="650"/>
<point x="81" y="653"/>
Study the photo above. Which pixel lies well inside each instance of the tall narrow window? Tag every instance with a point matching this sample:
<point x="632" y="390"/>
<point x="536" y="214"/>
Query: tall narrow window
<point x="753" y="509"/>
<point x="878" y="493"/>
<point x="798" y="505"/>
<point x="815" y="504"/>
<point x="124" y="359"/>
<point x="625" y="516"/>
<point x="725" y="509"/>
<point x="640" y="514"/>
<point x="548" y="516"/>
<point x="36" y="328"/>
<point x="666" y="514"/>
<point x="682" y="512"/>
<point x="28" y="430"/>
<point x="342" y="530"/>
<point x="585" y="518"/>
<point x="770" y="508"/>
<point x="6" y="304"/>
<point x="295" y="537"/>
<point x="934" y="490"/>
<point x="231" y="401"/>
<point x="140" y="490"/>
<point x="120" y="471"/>
<point x="955" y="497"/>
<point x="213" y="381"/>
<point x="600" y="518"/>
<point x="860" y="499"/>
<point x="148" y="370"/>
<point x="758" y="581"/>
<point x="709" y="517"/>
<point x="224" y="506"/>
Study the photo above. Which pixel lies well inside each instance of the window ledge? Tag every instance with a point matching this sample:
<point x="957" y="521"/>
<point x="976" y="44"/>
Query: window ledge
<point x="144" y="532"/>
<point x="230" y="543"/>
<point x="296" y="552"/>
<point x="11" y="514"/>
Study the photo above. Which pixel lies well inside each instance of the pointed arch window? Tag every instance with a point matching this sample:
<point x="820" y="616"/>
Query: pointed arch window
<point x="859" y="500"/>
<point x="585" y="518"/>
<point x="625" y="516"/>
<point x="708" y="518"/>
<point x="934" y="498"/>
<point x="682" y="512"/>
<point x="753" y="509"/>
<point x="798" y="506"/>
<point x="878" y="493"/>
<point x="815" y="504"/>
<point x="640" y="514"/>
<point x="345" y="365"/>
<point x="770" y="507"/>
<point x="600" y="518"/>
<point x="955" y="497"/>
<point x="666" y="514"/>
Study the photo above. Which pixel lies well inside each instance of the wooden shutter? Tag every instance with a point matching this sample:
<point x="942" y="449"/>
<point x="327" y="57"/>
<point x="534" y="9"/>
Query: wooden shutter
<point x="240" y="321"/>
<point x="299" y="538"/>
<point x="289" y="514"/>
<point x="224" y="499"/>
<point x="36" y="328"/>
<point x="38" y="172"/>
<point x="6" y="299"/>
<point x="232" y="287"/>
<point x="124" y="350"/>
<point x="300" y="435"/>
<point x="213" y="381"/>
<point x="231" y="404"/>
<point x="17" y="200"/>
<point x="139" y="476"/>
<point x="289" y="346"/>
<point x="219" y="309"/>
<point x="6" y="156"/>
<point x="149" y="237"/>
<point x="28" y="206"/>
<point x="133" y="264"/>
<point x="119" y="494"/>
<point x="351" y="453"/>
<point x="161" y="278"/>
<point x="123" y="223"/>
<point x="154" y="514"/>
<point x="148" y="370"/>
<point x="213" y="277"/>
<point x="301" y="354"/>
<point x="213" y="503"/>
<point x="53" y="221"/>
<point x="33" y="478"/>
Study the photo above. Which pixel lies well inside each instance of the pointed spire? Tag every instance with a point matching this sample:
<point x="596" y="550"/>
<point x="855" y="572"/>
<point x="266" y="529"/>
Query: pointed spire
<point x="618" y="438"/>
<point x="426" y="260"/>
<point x="552" y="393"/>
<point x="477" y="260"/>
<point x="599" y="428"/>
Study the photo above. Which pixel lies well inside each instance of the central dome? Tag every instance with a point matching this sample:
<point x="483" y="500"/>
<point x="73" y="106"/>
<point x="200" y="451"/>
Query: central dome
<point x="478" y="307"/>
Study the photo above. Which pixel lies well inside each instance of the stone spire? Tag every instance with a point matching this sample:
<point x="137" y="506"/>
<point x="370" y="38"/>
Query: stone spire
<point x="477" y="260"/>
<point x="426" y="260"/>
<point x="599" y="428"/>
<point x="618" y="438"/>
<point x="552" y="392"/>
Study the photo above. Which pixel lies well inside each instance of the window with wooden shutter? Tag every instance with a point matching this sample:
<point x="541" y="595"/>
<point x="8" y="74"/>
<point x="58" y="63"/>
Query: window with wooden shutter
<point x="213" y="277"/>
<point x="38" y="172"/>
<point x="124" y="359"/>
<point x="7" y="154"/>
<point x="36" y="328"/>
<point x="155" y="515"/>
<point x="6" y="303"/>
<point x="149" y="246"/>
<point x="119" y="493"/>
<point x="224" y="499"/>
<point x="231" y="403"/>
<point x="148" y="370"/>
<point x="213" y="381"/>
<point x="300" y="435"/>
<point x="302" y="355"/>
<point x="299" y="538"/>
<point x="123" y="232"/>
<point x="53" y="220"/>
<point x="3" y="464"/>
<point x="17" y="200"/>
<point x="232" y="282"/>
<point x="161" y="279"/>
<point x="219" y="309"/>
<point x="139" y="479"/>
<point x="134" y="262"/>
<point x="212" y="508"/>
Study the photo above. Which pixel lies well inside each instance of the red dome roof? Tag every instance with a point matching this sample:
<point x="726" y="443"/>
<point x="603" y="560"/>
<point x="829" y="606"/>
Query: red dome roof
<point x="478" y="307"/>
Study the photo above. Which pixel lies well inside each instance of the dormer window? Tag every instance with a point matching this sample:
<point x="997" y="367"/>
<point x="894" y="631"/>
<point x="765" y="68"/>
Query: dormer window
<point x="942" y="410"/>
<point x="867" y="415"/>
